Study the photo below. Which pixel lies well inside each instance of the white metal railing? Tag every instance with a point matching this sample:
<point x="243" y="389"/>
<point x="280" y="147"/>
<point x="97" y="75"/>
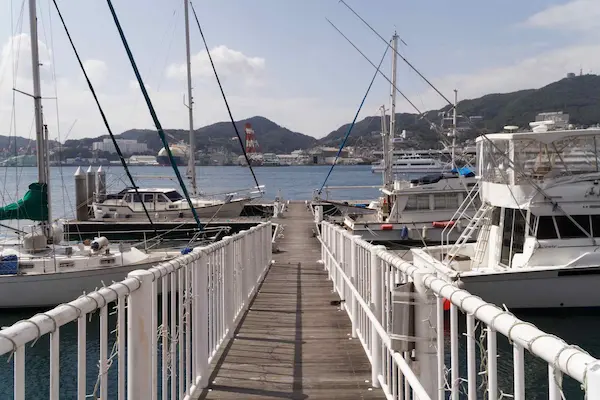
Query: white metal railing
<point x="366" y="277"/>
<point x="171" y="322"/>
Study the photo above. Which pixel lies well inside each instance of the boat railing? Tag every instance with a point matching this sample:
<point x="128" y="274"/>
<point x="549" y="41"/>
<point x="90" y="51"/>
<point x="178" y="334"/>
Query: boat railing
<point x="171" y="321"/>
<point x="329" y="189"/>
<point x="461" y="212"/>
<point x="406" y="341"/>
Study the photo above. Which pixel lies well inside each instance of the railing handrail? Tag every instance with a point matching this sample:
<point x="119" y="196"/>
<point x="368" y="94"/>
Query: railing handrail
<point x="407" y="371"/>
<point x="570" y="359"/>
<point x="25" y="331"/>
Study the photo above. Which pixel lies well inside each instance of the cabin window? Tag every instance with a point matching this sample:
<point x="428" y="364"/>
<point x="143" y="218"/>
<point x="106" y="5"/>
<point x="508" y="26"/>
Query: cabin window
<point x="519" y="229"/>
<point x="546" y="229"/>
<point x="513" y="235"/>
<point x="148" y="198"/>
<point x="531" y="225"/>
<point x="506" y="237"/>
<point x="173" y="196"/>
<point x="136" y="198"/>
<point x="496" y="212"/>
<point x="445" y="200"/>
<point x="596" y="225"/>
<point x="418" y="202"/>
<point x="160" y="198"/>
<point x="568" y="230"/>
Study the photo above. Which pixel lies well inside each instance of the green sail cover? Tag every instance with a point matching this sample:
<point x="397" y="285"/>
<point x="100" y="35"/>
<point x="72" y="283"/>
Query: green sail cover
<point x="33" y="206"/>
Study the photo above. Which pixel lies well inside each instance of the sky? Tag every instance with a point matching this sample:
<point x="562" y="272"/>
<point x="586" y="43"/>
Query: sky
<point x="281" y="59"/>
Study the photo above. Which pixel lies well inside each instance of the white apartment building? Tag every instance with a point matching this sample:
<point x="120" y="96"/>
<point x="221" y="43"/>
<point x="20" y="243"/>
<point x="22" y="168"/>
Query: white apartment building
<point x="127" y="146"/>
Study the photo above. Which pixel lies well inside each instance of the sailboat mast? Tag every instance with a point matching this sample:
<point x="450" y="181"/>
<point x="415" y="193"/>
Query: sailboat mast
<point x="37" y="93"/>
<point x="390" y="178"/>
<point x="40" y="137"/>
<point x="191" y="158"/>
<point x="454" y="128"/>
<point x="387" y="162"/>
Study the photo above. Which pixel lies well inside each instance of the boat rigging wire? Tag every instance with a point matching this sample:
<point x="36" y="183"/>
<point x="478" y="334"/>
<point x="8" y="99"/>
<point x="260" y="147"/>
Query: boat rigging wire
<point x="104" y="119"/>
<point x="397" y="53"/>
<point x="421" y="114"/>
<point x="353" y="121"/>
<point x="161" y="132"/>
<point x="237" y="133"/>
<point x="19" y="231"/>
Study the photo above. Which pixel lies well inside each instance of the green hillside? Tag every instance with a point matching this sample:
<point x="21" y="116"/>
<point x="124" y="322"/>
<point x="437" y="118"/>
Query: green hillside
<point x="578" y="96"/>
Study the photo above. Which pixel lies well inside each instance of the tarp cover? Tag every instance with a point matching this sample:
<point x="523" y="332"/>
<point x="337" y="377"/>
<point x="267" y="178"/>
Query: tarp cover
<point x="33" y="206"/>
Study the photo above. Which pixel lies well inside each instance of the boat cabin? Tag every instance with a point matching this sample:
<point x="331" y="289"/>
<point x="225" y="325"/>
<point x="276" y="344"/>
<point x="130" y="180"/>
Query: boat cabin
<point x="541" y="194"/>
<point x="127" y="202"/>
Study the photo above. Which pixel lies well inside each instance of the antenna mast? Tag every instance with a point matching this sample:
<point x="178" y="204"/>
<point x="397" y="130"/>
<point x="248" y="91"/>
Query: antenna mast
<point x="454" y="128"/>
<point x="387" y="161"/>
<point x="390" y="179"/>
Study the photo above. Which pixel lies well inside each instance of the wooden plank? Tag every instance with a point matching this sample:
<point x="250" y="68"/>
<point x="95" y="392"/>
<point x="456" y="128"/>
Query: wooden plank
<point x="293" y="344"/>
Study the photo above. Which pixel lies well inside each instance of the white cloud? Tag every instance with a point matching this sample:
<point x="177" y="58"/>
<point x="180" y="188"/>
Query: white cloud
<point x="547" y="65"/>
<point x="96" y="70"/>
<point x="15" y="59"/>
<point x="575" y="15"/>
<point x="125" y="107"/>
<point x="229" y="63"/>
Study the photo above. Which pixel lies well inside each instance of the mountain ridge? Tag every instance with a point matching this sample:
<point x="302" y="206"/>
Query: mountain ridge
<point x="579" y="96"/>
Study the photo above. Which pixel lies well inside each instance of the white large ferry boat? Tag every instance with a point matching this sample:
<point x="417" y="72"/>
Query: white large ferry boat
<point x="413" y="164"/>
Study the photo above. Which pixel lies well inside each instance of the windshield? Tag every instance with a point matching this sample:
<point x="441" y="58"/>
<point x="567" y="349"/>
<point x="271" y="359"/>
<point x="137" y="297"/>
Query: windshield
<point x="173" y="195"/>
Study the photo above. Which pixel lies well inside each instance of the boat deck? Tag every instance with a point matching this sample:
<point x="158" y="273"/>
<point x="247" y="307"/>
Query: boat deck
<point x="293" y="343"/>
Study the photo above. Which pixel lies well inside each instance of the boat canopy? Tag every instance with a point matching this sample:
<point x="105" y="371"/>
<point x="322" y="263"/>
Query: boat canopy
<point x="33" y="206"/>
<point x="464" y="171"/>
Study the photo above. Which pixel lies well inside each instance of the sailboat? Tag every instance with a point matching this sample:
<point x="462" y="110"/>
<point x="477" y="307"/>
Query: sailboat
<point x="168" y="203"/>
<point x="37" y="271"/>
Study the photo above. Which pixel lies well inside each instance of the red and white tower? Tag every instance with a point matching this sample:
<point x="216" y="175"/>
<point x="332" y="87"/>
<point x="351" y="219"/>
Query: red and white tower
<point x="251" y="142"/>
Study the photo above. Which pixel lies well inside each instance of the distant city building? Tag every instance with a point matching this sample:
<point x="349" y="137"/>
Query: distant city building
<point x="127" y="146"/>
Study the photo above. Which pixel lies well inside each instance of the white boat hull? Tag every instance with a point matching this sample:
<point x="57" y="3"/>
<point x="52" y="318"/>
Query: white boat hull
<point x="550" y="288"/>
<point x="225" y="210"/>
<point x="50" y="289"/>
<point x="412" y="170"/>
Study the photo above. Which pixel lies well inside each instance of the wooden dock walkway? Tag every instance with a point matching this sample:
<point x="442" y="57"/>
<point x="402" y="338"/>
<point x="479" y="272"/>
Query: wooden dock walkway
<point x="292" y="343"/>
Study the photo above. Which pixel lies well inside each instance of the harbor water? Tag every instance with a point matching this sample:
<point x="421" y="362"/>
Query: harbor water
<point x="292" y="183"/>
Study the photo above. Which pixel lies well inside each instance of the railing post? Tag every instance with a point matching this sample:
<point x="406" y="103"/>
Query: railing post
<point x="139" y="337"/>
<point x="376" y="308"/>
<point x="200" y="320"/>
<point x="425" y="331"/>
<point x="318" y="214"/>
<point x="228" y="286"/>
<point x="353" y="277"/>
<point x="593" y="381"/>
<point x="247" y="266"/>
<point x="266" y="233"/>
<point x="341" y="286"/>
<point x="325" y="228"/>
<point x="269" y="234"/>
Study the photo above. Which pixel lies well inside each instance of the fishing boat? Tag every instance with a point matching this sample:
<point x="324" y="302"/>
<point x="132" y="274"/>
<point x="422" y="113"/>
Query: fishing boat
<point x="165" y="204"/>
<point x="37" y="270"/>
<point x="539" y="222"/>
<point x="412" y="211"/>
